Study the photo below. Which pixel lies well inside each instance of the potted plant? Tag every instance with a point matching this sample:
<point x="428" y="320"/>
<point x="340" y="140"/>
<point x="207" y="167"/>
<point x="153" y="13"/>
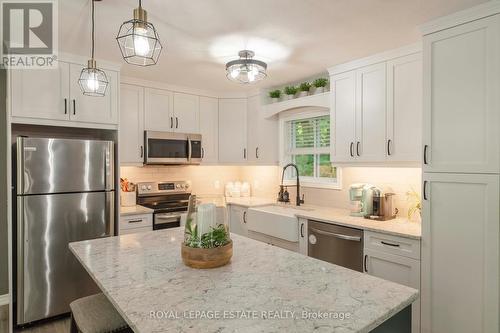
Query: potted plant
<point x="290" y="92"/>
<point x="320" y="85"/>
<point x="275" y="95"/>
<point x="304" y="88"/>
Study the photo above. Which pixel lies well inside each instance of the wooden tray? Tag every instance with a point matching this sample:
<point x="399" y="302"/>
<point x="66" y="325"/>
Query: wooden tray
<point x="207" y="258"/>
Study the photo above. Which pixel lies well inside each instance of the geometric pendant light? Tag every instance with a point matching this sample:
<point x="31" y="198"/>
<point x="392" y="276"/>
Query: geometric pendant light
<point x="93" y="81"/>
<point x="138" y="40"/>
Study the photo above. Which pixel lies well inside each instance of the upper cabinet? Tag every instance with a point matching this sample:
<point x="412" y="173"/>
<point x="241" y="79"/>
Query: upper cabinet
<point x="54" y="95"/>
<point x="404" y="108"/>
<point x="262" y="135"/>
<point x="233" y="131"/>
<point x="158" y="110"/>
<point x="461" y="98"/>
<point x="131" y="124"/>
<point x="376" y="110"/>
<point x="186" y="113"/>
<point x="209" y="129"/>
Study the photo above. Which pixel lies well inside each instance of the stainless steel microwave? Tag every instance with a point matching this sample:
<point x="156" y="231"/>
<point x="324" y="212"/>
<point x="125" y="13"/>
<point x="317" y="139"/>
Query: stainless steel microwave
<point x="172" y="148"/>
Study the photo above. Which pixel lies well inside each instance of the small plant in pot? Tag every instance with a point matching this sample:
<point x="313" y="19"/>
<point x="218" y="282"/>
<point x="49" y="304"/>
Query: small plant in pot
<point x="290" y="92"/>
<point x="275" y="95"/>
<point x="304" y="88"/>
<point x="320" y="85"/>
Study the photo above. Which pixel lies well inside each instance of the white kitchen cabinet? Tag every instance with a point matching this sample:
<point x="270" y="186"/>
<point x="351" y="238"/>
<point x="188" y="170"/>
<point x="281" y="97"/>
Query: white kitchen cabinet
<point x="404" y="109"/>
<point x="233" y="130"/>
<point x="370" y="113"/>
<point x="186" y="113"/>
<point x="460" y="253"/>
<point x="158" y="110"/>
<point x="209" y="129"/>
<point x="238" y="220"/>
<point x="131" y="224"/>
<point x="41" y="93"/>
<point x="131" y="124"/>
<point x="461" y="99"/>
<point x="303" y="242"/>
<point x="399" y="269"/>
<point x="343" y="115"/>
<point x="90" y="109"/>
<point x="262" y="140"/>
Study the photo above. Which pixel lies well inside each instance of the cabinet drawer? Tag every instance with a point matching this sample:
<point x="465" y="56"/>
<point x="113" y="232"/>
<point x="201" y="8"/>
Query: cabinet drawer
<point x="402" y="246"/>
<point x="136" y="221"/>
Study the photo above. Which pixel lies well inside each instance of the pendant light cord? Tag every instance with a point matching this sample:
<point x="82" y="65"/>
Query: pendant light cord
<point x="92" y="29"/>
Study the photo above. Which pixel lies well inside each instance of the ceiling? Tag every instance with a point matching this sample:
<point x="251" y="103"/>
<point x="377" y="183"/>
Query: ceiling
<point x="298" y="38"/>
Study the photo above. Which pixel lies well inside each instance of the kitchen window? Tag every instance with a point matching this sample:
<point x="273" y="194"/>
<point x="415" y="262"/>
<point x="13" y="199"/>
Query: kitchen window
<point x="306" y="143"/>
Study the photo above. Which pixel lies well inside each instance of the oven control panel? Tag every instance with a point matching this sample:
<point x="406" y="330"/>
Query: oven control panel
<point x="150" y="188"/>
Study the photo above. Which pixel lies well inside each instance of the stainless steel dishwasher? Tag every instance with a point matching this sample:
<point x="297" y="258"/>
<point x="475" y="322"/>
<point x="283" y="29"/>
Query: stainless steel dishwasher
<point x="338" y="245"/>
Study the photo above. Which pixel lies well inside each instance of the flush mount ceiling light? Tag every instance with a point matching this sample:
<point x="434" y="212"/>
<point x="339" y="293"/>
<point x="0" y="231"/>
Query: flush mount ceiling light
<point x="93" y="81"/>
<point x="245" y="69"/>
<point x="138" y="40"/>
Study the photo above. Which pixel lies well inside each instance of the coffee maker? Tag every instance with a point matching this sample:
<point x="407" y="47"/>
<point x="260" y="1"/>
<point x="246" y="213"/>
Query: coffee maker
<point x="382" y="205"/>
<point x="361" y="198"/>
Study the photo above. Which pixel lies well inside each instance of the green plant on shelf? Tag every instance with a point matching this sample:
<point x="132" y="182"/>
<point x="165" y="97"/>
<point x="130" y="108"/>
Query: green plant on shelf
<point x="275" y="94"/>
<point x="217" y="237"/>
<point x="291" y="90"/>
<point x="305" y="86"/>
<point x="321" y="82"/>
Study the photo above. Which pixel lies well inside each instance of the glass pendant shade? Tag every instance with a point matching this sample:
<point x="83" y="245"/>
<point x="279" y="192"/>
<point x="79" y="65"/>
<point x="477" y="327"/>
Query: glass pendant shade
<point x="246" y="70"/>
<point x="139" y="41"/>
<point x="93" y="81"/>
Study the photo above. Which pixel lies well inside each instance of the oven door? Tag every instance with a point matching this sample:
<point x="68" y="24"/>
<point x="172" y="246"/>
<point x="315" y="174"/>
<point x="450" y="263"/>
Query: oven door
<point x="166" y="148"/>
<point x="166" y="220"/>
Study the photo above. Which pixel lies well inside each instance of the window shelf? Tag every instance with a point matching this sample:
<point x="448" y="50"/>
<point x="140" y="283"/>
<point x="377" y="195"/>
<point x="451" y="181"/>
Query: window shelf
<point x="317" y="100"/>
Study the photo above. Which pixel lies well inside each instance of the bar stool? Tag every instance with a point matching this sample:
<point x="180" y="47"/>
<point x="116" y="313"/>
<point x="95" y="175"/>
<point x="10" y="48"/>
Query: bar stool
<point x="95" y="314"/>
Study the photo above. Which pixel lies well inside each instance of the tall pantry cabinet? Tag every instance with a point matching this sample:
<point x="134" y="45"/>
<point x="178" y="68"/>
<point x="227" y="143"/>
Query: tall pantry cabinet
<point x="461" y="125"/>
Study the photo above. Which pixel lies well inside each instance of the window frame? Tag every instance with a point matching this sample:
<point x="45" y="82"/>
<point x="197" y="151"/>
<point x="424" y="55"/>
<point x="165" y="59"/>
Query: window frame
<point x="285" y="158"/>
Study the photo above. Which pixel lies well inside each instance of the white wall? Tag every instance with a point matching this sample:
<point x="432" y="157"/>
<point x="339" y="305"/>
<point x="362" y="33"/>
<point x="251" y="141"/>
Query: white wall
<point x="265" y="181"/>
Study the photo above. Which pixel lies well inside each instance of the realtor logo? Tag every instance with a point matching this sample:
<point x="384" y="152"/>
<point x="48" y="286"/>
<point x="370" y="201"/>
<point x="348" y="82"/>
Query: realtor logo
<point x="29" y="34"/>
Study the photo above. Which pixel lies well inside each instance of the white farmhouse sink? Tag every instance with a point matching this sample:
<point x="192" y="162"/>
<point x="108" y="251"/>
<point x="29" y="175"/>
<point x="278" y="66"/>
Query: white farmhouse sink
<point x="275" y="220"/>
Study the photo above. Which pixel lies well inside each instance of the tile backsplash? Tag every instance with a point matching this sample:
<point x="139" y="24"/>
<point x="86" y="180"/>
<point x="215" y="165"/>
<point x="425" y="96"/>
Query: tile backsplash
<point x="265" y="180"/>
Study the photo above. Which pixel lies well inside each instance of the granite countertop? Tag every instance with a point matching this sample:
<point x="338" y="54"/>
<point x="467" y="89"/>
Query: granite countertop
<point x="398" y="226"/>
<point x="134" y="210"/>
<point x="145" y="279"/>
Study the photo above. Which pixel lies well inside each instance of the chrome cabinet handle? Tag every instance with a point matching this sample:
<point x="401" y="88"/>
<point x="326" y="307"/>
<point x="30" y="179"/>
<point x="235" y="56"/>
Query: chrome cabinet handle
<point x="425" y="154"/>
<point x="244" y="217"/>
<point x="357" y="148"/>
<point x="341" y="236"/>
<point x="364" y="263"/>
<point x="389" y="147"/>
<point x="424" y="194"/>
<point x="350" y="149"/>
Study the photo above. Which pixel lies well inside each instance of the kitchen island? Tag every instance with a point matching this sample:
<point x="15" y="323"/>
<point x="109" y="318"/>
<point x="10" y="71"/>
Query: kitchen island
<point x="263" y="289"/>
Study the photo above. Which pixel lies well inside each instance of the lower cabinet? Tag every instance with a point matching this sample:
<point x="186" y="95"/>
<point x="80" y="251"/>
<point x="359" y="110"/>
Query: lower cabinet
<point x="391" y="258"/>
<point x="284" y="244"/>
<point x="303" y="243"/>
<point x="238" y="220"/>
<point x="132" y="224"/>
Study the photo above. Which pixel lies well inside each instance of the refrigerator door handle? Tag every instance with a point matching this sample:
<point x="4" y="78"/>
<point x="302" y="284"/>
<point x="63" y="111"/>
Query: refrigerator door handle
<point x="20" y="259"/>
<point x="110" y="213"/>
<point x="109" y="167"/>
<point x="20" y="165"/>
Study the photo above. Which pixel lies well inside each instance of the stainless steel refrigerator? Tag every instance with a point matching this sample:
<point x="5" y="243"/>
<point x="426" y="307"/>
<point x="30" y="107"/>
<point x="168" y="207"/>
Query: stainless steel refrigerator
<point x="65" y="193"/>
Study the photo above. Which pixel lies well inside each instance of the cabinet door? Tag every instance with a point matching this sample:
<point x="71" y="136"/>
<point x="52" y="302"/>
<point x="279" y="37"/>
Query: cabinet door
<point x="158" y="106"/>
<point x="131" y="124"/>
<point x="238" y="220"/>
<point x="402" y="270"/>
<point x="461" y="99"/>
<point x="343" y="115"/>
<point x="262" y="135"/>
<point x="186" y="113"/>
<point x="41" y="93"/>
<point x="89" y="109"/>
<point x="370" y="113"/>
<point x="303" y="242"/>
<point x="460" y="253"/>
<point x="209" y="128"/>
<point x="233" y="130"/>
<point x="404" y="109"/>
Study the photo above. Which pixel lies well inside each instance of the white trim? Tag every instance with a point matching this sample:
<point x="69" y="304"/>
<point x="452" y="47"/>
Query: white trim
<point x="4" y="299"/>
<point x="471" y="14"/>
<point x="317" y="100"/>
<point x="376" y="58"/>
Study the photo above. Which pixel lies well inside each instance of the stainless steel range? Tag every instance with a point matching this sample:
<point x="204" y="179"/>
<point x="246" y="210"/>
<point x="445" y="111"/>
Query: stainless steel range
<point x="169" y="200"/>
